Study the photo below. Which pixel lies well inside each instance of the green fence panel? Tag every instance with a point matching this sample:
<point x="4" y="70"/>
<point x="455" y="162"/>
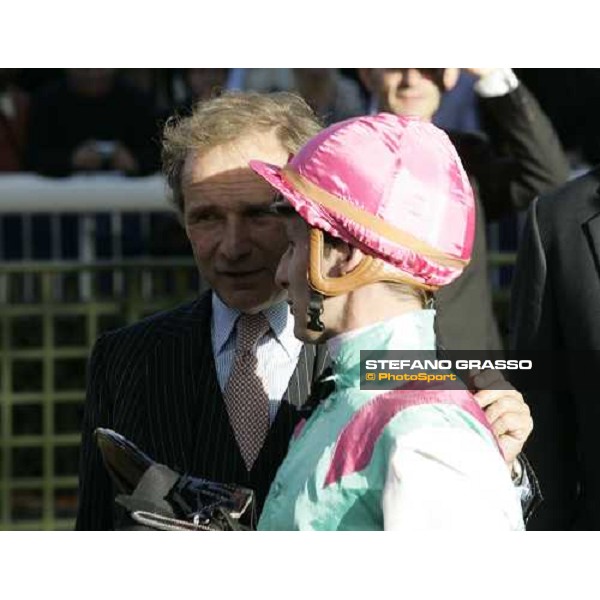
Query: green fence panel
<point x="50" y="315"/>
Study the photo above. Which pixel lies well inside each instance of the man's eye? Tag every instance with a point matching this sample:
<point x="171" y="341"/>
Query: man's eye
<point x="262" y="212"/>
<point x="202" y="218"/>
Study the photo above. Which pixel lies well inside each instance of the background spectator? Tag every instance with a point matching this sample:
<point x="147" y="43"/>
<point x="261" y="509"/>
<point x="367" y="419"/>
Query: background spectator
<point x="92" y="122"/>
<point x="155" y="84"/>
<point x="332" y="96"/>
<point x="195" y="85"/>
<point x="260" y="80"/>
<point x="520" y="158"/>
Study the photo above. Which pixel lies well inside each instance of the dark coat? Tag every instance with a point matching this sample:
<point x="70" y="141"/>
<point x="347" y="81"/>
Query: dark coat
<point x="521" y="158"/>
<point x="155" y="382"/>
<point x="556" y="306"/>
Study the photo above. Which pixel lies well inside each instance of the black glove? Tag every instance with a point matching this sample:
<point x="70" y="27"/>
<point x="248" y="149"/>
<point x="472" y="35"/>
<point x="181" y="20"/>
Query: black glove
<point x="157" y="497"/>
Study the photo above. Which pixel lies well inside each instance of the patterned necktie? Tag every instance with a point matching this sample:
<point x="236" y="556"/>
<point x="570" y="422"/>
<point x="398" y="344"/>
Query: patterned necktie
<point x="245" y="396"/>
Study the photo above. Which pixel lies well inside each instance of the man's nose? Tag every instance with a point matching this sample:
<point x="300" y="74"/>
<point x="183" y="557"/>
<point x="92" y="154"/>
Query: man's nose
<point x="237" y="239"/>
<point x="410" y="76"/>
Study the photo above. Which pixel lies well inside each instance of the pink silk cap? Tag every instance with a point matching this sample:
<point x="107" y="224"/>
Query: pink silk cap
<point x="389" y="185"/>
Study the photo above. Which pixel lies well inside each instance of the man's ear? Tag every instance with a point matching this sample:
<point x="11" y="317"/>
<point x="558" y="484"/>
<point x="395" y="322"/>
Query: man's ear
<point x="450" y="78"/>
<point x="366" y="77"/>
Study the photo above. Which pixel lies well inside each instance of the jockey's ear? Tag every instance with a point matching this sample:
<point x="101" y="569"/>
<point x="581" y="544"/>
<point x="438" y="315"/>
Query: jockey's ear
<point x="341" y="257"/>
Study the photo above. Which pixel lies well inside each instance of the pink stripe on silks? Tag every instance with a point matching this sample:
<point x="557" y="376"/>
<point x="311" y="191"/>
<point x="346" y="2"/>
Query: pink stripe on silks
<point x="298" y="429"/>
<point x="353" y="453"/>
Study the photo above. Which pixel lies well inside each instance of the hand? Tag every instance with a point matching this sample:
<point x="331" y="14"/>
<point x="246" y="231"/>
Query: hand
<point x="479" y="73"/>
<point x="510" y="419"/>
<point x="123" y="160"/>
<point x="86" y="157"/>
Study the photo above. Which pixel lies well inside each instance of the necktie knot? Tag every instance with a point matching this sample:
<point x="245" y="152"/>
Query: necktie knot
<point x="249" y="329"/>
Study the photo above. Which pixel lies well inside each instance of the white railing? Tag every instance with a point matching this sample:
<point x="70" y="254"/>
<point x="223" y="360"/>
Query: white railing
<point x="29" y="193"/>
<point x="88" y="200"/>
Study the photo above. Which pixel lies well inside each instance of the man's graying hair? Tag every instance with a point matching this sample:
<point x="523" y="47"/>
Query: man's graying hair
<point x="228" y="118"/>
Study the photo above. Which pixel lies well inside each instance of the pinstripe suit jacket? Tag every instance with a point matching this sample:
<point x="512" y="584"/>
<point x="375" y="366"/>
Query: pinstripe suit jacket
<point x="155" y="382"/>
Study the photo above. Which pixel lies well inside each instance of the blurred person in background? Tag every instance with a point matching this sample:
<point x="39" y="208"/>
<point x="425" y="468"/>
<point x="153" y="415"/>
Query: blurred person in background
<point x="14" y="112"/>
<point x="520" y="158"/>
<point x="190" y="86"/>
<point x="155" y="84"/>
<point x="259" y="80"/>
<point x="333" y="97"/>
<point x="203" y="84"/>
<point x="92" y="122"/>
<point x="330" y="94"/>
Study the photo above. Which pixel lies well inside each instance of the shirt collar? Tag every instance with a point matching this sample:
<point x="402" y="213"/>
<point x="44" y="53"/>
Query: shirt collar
<point x="223" y="321"/>
<point x="282" y="324"/>
<point x="279" y="317"/>
<point x="410" y="331"/>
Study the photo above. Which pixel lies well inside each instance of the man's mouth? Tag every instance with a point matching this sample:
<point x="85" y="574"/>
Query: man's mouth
<point x="408" y="96"/>
<point x="239" y="273"/>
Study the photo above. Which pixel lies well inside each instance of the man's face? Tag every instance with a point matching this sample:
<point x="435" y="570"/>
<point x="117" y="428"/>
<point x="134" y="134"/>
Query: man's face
<point x="237" y="241"/>
<point x="408" y="92"/>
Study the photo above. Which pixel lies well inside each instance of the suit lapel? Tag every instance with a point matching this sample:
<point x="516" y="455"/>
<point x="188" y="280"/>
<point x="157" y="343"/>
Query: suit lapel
<point x="176" y="369"/>
<point x="591" y="227"/>
<point x="299" y="384"/>
<point x="311" y="363"/>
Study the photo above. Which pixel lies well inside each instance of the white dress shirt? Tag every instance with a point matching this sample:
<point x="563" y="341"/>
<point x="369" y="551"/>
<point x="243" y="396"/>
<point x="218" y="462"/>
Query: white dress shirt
<point x="277" y="351"/>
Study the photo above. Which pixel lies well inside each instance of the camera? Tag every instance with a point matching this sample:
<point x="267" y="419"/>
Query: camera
<point x="106" y="149"/>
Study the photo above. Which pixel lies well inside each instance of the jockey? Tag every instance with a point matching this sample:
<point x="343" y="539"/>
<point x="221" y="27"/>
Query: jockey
<point x="379" y="214"/>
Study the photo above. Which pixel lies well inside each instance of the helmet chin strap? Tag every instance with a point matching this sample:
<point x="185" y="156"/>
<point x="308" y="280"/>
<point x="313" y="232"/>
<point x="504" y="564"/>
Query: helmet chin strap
<point x="322" y="286"/>
<point x="369" y="270"/>
<point x="315" y="310"/>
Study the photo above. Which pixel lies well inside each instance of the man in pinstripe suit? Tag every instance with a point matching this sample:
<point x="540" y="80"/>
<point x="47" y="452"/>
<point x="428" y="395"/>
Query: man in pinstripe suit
<point x="162" y="382"/>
